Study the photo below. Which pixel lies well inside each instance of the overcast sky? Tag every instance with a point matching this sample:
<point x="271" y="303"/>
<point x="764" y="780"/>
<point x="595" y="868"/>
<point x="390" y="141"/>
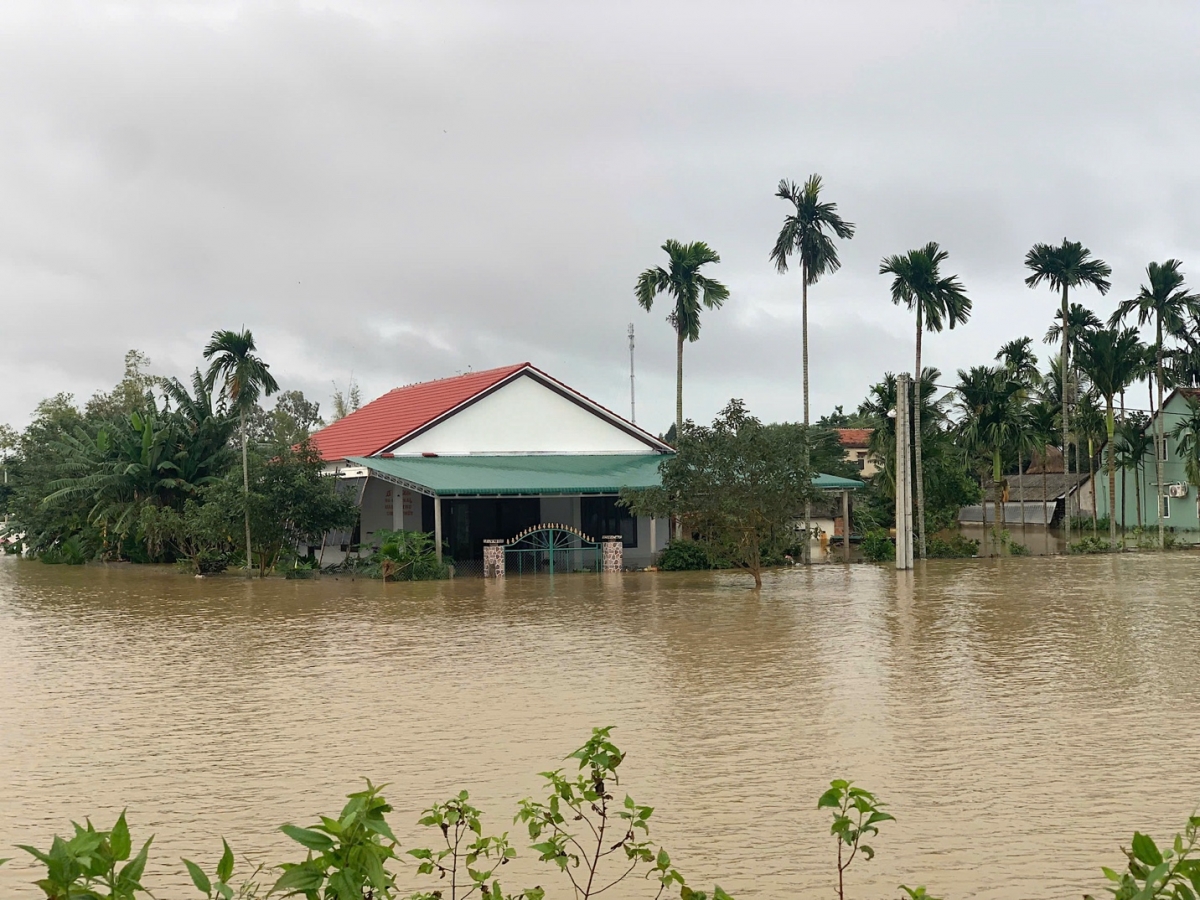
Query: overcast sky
<point x="403" y="191"/>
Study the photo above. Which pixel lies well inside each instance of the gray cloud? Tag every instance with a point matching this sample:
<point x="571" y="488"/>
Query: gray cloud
<point x="403" y="191"/>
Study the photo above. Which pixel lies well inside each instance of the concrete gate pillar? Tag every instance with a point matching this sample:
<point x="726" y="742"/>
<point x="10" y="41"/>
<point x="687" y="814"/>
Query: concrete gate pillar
<point x="493" y="558"/>
<point x="612" y="553"/>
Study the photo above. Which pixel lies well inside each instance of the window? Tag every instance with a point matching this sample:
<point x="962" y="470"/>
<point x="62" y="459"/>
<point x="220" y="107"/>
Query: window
<point x="1163" y="449"/>
<point x="602" y="516"/>
<point x="1166" y="507"/>
<point x="862" y="460"/>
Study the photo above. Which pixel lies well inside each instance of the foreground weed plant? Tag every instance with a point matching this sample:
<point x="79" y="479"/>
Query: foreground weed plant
<point x="85" y="866"/>
<point x="1154" y="874"/>
<point x="856" y="815"/>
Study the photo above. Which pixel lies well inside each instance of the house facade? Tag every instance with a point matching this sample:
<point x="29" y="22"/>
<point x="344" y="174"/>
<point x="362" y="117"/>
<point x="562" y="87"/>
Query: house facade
<point x="856" y="449"/>
<point x="489" y="455"/>
<point x="1180" y="504"/>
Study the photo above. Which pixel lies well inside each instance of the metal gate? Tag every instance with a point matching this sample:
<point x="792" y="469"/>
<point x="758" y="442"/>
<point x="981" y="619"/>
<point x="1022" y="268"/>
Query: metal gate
<point x="552" y="548"/>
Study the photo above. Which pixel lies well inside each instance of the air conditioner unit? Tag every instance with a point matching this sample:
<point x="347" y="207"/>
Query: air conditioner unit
<point x="1177" y="490"/>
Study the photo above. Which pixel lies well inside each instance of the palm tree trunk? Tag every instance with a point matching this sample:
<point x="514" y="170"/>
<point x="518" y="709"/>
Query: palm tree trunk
<point x="1124" y="487"/>
<point x="1159" y="437"/>
<point x="1066" y="429"/>
<point x="1021" y="486"/>
<point x="678" y="409"/>
<point x="1092" y="482"/>
<point x="917" y="439"/>
<point x="807" y="555"/>
<point x="246" y="493"/>
<point x="1137" y="489"/>
<point x="678" y="387"/>
<point x="1046" y="517"/>
<point x="1112" y="479"/>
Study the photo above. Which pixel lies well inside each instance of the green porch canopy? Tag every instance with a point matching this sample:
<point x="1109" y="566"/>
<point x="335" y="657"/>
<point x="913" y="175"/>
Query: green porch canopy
<point x="476" y="476"/>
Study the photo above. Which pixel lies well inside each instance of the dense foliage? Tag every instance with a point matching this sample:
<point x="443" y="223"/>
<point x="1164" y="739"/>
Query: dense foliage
<point x="150" y="472"/>
<point x="736" y="486"/>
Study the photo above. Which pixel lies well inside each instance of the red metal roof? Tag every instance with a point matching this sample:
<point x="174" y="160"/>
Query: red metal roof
<point x="401" y="411"/>
<point x="855" y="437"/>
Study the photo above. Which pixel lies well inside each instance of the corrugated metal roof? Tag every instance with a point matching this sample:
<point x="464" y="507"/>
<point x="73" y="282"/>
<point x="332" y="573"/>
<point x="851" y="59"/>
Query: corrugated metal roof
<point x="397" y="413"/>
<point x="548" y="474"/>
<point x="835" y="483"/>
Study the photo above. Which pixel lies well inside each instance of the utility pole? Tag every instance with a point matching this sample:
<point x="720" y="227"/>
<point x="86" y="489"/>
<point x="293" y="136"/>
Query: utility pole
<point x="904" y="536"/>
<point x="632" y="404"/>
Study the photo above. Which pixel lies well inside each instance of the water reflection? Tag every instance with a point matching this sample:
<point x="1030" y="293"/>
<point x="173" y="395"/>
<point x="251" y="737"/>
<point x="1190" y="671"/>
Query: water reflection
<point x="1001" y="706"/>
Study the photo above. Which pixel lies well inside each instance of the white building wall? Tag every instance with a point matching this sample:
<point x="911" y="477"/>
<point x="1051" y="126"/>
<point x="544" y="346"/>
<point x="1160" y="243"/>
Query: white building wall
<point x="645" y="552"/>
<point x="378" y="508"/>
<point x="524" y="416"/>
<point x="409" y="510"/>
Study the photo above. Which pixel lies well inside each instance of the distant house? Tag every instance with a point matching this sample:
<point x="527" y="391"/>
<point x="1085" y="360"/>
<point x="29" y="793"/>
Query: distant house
<point x="488" y="455"/>
<point x="856" y="446"/>
<point x="1180" y="503"/>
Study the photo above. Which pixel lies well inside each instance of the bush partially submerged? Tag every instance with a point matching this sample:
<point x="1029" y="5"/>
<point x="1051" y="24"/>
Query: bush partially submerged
<point x="684" y="556"/>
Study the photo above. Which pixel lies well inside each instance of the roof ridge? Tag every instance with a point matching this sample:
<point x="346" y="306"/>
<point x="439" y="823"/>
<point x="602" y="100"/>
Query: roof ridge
<point x="510" y="368"/>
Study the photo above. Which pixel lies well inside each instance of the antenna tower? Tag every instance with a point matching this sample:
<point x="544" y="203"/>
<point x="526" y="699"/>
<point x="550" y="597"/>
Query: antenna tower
<point x="632" y="403"/>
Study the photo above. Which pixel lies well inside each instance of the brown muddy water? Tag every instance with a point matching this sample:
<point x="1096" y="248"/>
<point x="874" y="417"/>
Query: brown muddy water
<point x="1021" y="716"/>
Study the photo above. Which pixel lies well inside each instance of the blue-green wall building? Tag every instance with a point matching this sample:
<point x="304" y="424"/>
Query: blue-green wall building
<point x="1180" y="512"/>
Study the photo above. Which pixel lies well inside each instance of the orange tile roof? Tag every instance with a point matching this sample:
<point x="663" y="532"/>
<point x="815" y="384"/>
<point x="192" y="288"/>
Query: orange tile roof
<point x="855" y="437"/>
<point x="401" y="411"/>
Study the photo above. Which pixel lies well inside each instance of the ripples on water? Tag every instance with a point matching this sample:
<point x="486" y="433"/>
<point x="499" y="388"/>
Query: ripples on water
<point x="1022" y="717"/>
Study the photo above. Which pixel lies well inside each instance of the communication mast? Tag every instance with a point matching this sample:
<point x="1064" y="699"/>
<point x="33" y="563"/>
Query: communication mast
<point x="632" y="403"/>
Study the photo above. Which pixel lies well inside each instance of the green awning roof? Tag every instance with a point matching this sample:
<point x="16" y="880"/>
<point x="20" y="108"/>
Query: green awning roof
<point x="834" y="483"/>
<point x="448" y="476"/>
<point x="548" y="474"/>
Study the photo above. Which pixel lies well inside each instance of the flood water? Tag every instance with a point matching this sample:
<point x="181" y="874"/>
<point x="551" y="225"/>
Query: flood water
<point x="1021" y="716"/>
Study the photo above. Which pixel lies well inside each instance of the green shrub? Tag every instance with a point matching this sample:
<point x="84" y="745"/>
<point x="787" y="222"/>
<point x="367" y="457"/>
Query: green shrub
<point x="877" y="546"/>
<point x="684" y="556"/>
<point x="67" y="553"/>
<point x="1015" y="549"/>
<point x="408" y="556"/>
<point x="1090" y="544"/>
<point x="957" y="547"/>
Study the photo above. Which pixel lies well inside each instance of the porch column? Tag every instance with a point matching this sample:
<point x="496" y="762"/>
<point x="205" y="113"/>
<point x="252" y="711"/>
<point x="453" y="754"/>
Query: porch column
<point x="846" y="524"/>
<point x="493" y="558"/>
<point x="437" y="526"/>
<point x="612" y="553"/>
<point x="653" y="541"/>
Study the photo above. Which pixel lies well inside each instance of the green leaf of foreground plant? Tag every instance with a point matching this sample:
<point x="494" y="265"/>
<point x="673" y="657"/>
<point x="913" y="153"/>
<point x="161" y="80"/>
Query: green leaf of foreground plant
<point x="131" y="874"/>
<point x="299" y="880"/>
<point x="225" y="866"/>
<point x="313" y="840"/>
<point x="1145" y="849"/>
<point x="119" y="840"/>
<point x="832" y="797"/>
<point x="199" y="879"/>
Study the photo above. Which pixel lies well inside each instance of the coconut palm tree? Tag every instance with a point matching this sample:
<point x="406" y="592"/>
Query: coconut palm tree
<point x="939" y="300"/>
<point x="1021" y="363"/>
<point x="1135" y="445"/>
<point x="1170" y="305"/>
<point x="1111" y="359"/>
<point x="808" y="232"/>
<point x="1187" y="434"/>
<point x="1064" y="267"/>
<point x="1043" y="426"/>
<point x="689" y="290"/>
<point x="990" y="407"/>
<point x="244" y="376"/>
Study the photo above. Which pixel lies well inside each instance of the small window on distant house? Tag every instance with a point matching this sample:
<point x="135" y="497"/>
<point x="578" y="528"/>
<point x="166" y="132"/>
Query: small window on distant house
<point x="862" y="460"/>
<point x="1166" y="507"/>
<point x="1164" y="449"/>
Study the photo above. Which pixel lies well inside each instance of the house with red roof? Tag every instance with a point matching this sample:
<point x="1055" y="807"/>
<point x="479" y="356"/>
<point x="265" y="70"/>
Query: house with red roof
<point x="489" y="455"/>
<point x="856" y="445"/>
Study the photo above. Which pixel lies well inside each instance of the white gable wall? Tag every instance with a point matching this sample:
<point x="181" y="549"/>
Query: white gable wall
<point x="524" y="416"/>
